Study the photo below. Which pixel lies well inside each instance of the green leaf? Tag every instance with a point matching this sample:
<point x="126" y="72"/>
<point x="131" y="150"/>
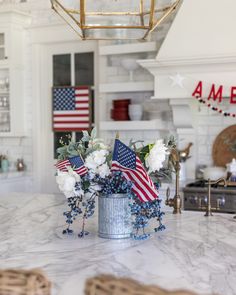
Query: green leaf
<point x="85" y="137"/>
<point x="94" y="133"/>
<point x="72" y="149"/>
<point x="86" y="185"/>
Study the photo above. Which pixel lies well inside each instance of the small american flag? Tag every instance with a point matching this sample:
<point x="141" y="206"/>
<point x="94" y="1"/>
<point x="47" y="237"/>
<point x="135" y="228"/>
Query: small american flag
<point x="76" y="163"/>
<point x="126" y="161"/>
<point x="71" y="108"/>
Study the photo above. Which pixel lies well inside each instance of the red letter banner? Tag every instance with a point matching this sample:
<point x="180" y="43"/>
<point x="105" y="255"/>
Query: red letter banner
<point x="233" y="95"/>
<point x="198" y="91"/>
<point x="213" y="94"/>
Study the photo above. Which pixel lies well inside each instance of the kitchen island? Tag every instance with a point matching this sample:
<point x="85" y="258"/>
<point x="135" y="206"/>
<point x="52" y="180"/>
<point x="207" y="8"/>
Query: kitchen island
<point x="194" y="252"/>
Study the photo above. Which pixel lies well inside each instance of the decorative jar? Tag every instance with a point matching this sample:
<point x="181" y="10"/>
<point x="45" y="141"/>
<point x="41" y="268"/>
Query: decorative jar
<point x="114" y="216"/>
<point x="135" y="112"/>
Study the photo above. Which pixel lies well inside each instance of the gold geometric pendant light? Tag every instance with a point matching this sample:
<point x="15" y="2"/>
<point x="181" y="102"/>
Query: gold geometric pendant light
<point x="113" y="19"/>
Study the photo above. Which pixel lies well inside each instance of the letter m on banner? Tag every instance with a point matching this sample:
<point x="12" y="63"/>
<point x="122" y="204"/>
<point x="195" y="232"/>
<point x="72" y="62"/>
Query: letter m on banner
<point x="216" y="94"/>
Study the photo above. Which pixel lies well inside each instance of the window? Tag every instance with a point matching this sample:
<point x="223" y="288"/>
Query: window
<point x="72" y="70"/>
<point x="62" y="70"/>
<point x="84" y="69"/>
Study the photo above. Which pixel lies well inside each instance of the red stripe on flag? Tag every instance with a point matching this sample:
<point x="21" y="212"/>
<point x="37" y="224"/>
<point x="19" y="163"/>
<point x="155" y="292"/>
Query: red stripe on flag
<point x="71" y="122"/>
<point x="81" y="171"/>
<point x="68" y="129"/>
<point x="81" y="101"/>
<point x="72" y="115"/>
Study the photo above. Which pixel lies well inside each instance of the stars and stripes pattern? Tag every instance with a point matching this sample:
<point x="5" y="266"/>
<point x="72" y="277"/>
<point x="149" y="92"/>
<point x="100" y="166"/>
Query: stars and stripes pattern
<point x="71" y="111"/>
<point x="76" y="163"/>
<point x="125" y="160"/>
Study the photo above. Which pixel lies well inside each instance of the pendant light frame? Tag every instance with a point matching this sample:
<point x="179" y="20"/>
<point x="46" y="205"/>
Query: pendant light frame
<point x="77" y="19"/>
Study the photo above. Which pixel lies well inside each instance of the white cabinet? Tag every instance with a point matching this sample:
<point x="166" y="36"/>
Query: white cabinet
<point x="12" y="46"/>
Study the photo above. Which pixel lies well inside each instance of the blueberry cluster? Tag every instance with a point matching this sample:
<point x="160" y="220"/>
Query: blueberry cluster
<point x="143" y="212"/>
<point x="79" y="206"/>
<point x="74" y="205"/>
<point x="89" y="207"/>
<point x="116" y="184"/>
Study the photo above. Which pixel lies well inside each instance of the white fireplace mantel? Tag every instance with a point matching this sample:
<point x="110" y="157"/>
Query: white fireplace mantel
<point x="192" y="70"/>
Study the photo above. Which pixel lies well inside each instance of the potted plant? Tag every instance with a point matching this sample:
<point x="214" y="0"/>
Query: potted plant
<point x="120" y="178"/>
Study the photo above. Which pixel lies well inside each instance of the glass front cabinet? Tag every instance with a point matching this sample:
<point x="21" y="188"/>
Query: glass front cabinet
<point x="12" y="49"/>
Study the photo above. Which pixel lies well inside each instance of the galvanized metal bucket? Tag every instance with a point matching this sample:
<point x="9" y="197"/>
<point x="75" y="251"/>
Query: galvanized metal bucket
<point x="114" y="217"/>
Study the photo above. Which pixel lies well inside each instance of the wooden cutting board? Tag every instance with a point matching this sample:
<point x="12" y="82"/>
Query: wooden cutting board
<point x="224" y="147"/>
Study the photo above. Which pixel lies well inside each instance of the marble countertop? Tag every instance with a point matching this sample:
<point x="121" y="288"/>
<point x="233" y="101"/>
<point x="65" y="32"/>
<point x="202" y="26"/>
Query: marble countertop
<point x="194" y="252"/>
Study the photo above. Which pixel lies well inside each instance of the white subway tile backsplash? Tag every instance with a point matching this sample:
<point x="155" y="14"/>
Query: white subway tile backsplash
<point x="202" y="130"/>
<point x="215" y="130"/>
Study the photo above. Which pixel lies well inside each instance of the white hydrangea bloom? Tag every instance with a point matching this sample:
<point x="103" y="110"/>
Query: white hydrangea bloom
<point x="66" y="182"/>
<point x="103" y="170"/>
<point x="90" y="163"/>
<point x="95" y="159"/>
<point x="102" y="145"/>
<point x="157" y="156"/>
<point x="100" y="156"/>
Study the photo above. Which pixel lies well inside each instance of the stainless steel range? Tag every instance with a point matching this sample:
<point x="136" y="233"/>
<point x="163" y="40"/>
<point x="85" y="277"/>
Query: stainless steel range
<point x="223" y="199"/>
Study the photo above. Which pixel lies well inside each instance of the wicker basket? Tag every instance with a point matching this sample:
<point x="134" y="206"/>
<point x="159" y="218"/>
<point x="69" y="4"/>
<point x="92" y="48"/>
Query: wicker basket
<point x="109" y="285"/>
<point x="22" y="282"/>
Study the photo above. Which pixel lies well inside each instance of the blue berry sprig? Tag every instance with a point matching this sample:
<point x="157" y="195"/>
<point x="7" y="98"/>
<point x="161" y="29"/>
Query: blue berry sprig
<point x="74" y="205"/>
<point x="143" y="212"/>
<point x="89" y="209"/>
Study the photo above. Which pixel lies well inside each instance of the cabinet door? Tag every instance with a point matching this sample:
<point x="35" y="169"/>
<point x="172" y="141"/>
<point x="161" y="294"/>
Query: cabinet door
<point x="3" y="45"/>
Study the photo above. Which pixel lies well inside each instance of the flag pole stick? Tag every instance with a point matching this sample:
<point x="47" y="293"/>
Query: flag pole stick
<point x="117" y="135"/>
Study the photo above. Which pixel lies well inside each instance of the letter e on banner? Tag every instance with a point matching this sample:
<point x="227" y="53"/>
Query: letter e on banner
<point x="233" y="95"/>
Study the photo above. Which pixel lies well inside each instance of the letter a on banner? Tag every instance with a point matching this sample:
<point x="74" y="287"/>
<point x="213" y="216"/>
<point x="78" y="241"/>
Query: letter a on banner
<point x="198" y="91"/>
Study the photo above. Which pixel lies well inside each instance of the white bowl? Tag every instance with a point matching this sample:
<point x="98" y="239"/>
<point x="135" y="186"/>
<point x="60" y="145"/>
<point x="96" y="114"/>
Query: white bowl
<point x="214" y="173"/>
<point x="130" y="64"/>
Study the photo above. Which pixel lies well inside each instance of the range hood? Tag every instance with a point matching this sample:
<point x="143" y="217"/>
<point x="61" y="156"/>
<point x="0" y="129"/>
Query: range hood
<point x="201" y="41"/>
<point x="200" y="45"/>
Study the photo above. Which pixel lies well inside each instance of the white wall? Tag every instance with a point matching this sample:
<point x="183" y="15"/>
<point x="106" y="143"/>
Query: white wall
<point x="207" y="125"/>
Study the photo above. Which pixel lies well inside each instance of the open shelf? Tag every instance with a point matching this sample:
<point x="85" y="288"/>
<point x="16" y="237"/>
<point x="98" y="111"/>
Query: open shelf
<point x="128" y="48"/>
<point x="126" y="87"/>
<point x="11" y="134"/>
<point x="132" y="125"/>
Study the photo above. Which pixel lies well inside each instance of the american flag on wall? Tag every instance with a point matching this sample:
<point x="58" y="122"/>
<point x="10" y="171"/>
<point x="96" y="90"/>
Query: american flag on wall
<point x="125" y="160"/>
<point x="71" y="108"/>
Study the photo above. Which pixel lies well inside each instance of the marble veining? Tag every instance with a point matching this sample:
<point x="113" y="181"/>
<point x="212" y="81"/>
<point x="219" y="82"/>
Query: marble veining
<point x="194" y="252"/>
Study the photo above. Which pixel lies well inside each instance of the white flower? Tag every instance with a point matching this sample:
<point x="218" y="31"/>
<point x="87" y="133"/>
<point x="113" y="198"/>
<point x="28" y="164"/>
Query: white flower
<point x="100" y="157"/>
<point x="96" y="159"/>
<point x="66" y="182"/>
<point x="157" y="156"/>
<point x="101" y="145"/>
<point x="103" y="170"/>
<point x="89" y="162"/>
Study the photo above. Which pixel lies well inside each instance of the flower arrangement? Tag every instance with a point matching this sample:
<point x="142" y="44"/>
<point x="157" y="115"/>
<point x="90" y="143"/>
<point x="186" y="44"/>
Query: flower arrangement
<point x="92" y="175"/>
